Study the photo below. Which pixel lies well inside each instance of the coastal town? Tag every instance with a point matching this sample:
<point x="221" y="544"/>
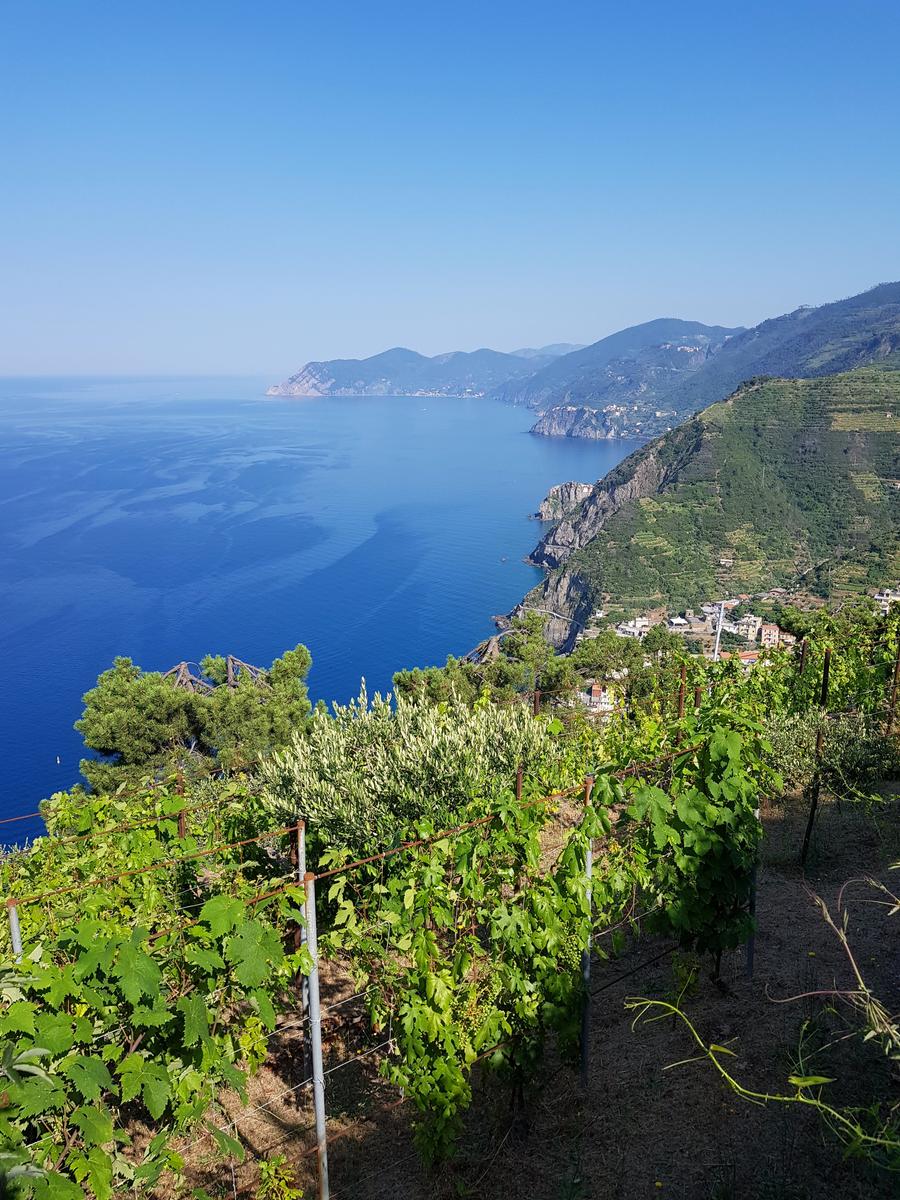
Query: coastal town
<point x="709" y="628"/>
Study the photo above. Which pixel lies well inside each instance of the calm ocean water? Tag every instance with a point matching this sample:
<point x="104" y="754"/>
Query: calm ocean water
<point x="165" y="519"/>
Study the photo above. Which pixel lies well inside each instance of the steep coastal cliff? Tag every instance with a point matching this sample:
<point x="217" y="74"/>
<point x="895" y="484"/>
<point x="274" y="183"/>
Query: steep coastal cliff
<point x="570" y="420"/>
<point x="642" y="474"/>
<point x="561" y="500"/>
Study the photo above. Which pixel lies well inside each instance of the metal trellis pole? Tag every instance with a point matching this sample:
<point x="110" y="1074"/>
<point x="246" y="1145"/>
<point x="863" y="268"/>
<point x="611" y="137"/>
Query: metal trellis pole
<point x="304" y="979"/>
<point x="586" y="952"/>
<point x="719" y="631"/>
<point x="15" y="932"/>
<point x="315" y="1021"/>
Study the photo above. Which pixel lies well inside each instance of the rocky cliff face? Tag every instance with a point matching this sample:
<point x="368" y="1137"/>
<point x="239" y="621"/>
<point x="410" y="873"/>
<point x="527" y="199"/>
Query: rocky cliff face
<point x="566" y="596"/>
<point x="642" y="474"/>
<point x="313" y="380"/>
<point x="565" y="601"/>
<point x="561" y="500"/>
<point x="571" y="420"/>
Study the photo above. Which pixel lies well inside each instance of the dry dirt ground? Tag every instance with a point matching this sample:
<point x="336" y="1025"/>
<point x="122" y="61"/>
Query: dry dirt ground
<point x="640" y="1129"/>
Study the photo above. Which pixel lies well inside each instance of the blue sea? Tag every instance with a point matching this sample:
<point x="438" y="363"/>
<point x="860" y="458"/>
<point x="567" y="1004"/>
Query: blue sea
<point x="164" y="519"/>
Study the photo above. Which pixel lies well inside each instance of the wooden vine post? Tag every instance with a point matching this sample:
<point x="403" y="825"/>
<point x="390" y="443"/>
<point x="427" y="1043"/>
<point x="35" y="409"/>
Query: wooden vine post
<point x="820" y="738"/>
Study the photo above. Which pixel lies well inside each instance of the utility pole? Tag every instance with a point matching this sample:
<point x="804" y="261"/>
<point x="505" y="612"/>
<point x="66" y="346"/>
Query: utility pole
<point x="719" y="630"/>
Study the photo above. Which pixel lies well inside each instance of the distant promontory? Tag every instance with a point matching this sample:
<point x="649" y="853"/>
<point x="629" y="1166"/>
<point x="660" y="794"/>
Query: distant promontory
<point x="402" y="372"/>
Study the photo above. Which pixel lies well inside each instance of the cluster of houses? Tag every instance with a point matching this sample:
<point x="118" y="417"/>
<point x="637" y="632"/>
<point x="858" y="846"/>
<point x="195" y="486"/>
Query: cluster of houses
<point x="705" y="623"/>
<point x="603" y="696"/>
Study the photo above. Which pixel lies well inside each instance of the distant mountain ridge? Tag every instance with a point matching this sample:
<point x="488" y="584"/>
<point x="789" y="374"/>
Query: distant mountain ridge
<point x="649" y="390"/>
<point x="640" y="381"/>
<point x="403" y="372"/>
<point x="803" y="344"/>
<point x="622" y="367"/>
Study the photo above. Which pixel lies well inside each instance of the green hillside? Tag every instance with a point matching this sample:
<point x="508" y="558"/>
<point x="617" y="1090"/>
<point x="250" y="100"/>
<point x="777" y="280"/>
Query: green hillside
<point x="784" y="477"/>
<point x="806" y="343"/>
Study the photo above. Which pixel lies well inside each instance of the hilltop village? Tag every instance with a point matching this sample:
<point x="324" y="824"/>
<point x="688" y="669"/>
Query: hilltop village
<point x="720" y="629"/>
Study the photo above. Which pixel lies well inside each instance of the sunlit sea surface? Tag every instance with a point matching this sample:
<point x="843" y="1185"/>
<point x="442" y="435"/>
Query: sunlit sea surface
<point x="167" y="518"/>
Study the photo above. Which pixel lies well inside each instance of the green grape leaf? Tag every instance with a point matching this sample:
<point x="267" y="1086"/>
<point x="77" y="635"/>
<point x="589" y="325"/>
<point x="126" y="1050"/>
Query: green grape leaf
<point x="265" y="1008"/>
<point x="253" y="951"/>
<point x="35" y="1096"/>
<point x="18" y="1018"/>
<point x="89" y="1075"/>
<point x="137" y="973"/>
<point x="196" y="1019"/>
<point x="221" y="914"/>
<point x="130" y="1070"/>
<point x="228" y="1145"/>
<point x="202" y="956"/>
<point x="54" y="1030"/>
<point x="150" y="1018"/>
<point x="156" y="1090"/>
<point x="95" y="1125"/>
<point x="96" y="1168"/>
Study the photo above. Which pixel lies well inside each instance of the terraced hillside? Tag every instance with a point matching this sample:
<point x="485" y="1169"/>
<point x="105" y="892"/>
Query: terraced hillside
<point x="807" y="343"/>
<point x="784" y="478"/>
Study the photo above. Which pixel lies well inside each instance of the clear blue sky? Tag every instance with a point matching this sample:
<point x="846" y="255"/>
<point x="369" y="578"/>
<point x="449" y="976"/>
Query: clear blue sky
<point x="236" y="186"/>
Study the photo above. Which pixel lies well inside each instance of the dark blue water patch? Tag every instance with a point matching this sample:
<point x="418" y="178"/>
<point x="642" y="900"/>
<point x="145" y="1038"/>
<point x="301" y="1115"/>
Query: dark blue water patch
<point x="166" y="519"/>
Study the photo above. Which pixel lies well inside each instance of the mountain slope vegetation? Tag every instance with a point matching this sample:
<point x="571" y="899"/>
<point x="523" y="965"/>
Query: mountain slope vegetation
<point x="640" y="362"/>
<point x="806" y="343"/>
<point x="784" y="478"/>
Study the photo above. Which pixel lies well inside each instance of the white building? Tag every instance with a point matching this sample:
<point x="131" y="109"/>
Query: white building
<point x="599" y="697"/>
<point x="636" y="628"/>
<point x="886" y="597"/>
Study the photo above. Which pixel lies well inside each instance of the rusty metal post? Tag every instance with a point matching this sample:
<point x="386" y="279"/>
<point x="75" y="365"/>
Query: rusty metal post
<point x="519" y="777"/>
<point x="895" y="687"/>
<point x="826" y="671"/>
<point x="698" y="696"/>
<point x="681" y="690"/>
<point x="315" y="1021"/>
<point x="802" y="667"/>
<point x="820" y="739"/>
<point x="586" y="952"/>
